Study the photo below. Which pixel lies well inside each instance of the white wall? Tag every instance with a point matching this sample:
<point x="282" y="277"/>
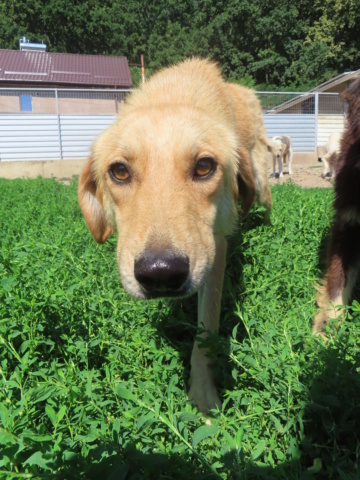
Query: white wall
<point x="328" y="124"/>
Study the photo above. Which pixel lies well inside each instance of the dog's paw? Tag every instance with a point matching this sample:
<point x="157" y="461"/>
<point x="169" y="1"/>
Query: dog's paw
<point x="281" y="175"/>
<point x="203" y="393"/>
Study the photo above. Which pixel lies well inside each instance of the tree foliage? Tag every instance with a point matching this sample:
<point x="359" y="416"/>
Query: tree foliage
<point x="272" y="44"/>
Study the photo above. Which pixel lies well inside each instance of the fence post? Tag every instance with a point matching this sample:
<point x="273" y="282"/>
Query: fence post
<point x="58" y="123"/>
<point x="316" y="118"/>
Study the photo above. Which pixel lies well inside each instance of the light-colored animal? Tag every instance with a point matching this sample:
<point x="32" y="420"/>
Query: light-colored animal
<point x="167" y="177"/>
<point x="282" y="153"/>
<point x="331" y="148"/>
<point x="344" y="245"/>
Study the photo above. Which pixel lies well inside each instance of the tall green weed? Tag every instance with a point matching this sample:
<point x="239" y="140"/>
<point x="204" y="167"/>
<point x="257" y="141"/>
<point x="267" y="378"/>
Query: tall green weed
<point x="93" y="383"/>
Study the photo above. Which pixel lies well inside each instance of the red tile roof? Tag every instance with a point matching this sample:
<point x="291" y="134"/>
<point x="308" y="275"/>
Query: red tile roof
<point x="64" y="68"/>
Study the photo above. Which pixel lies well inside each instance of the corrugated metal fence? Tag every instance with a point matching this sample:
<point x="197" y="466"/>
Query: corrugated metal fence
<point x="78" y="133"/>
<point x="55" y="124"/>
<point x="49" y="137"/>
<point x="52" y="124"/>
<point x="300" y="128"/>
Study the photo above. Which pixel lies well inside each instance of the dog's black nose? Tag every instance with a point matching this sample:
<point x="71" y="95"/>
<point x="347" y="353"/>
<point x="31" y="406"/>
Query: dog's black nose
<point x="161" y="273"/>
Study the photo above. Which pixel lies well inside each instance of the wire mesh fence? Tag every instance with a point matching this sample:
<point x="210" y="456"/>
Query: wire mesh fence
<point x="61" y="101"/>
<point x="309" y="103"/>
<point x="95" y="101"/>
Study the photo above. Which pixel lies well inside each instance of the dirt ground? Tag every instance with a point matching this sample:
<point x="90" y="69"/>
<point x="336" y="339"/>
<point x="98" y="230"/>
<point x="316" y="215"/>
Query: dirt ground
<point x="306" y="172"/>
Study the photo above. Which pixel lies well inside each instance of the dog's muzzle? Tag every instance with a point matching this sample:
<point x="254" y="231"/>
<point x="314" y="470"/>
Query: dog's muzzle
<point x="162" y="274"/>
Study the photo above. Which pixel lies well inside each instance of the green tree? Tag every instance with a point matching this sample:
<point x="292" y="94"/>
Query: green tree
<point x="337" y="28"/>
<point x="18" y="19"/>
<point x="273" y="44"/>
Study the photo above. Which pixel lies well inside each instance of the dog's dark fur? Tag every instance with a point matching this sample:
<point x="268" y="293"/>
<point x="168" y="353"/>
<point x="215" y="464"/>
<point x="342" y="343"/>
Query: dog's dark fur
<point x="344" y="247"/>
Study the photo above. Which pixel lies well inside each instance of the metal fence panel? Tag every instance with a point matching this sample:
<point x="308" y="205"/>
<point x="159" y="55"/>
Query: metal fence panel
<point x="49" y="137"/>
<point x="63" y="123"/>
<point x="79" y="131"/>
<point x="92" y="102"/>
<point x="331" y="104"/>
<point x="328" y="124"/>
<point x="29" y="137"/>
<point x="38" y="101"/>
<point x="301" y="129"/>
<point x="289" y="103"/>
<point x="286" y="103"/>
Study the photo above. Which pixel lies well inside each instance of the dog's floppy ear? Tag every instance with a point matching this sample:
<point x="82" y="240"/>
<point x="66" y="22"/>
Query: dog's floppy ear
<point x="269" y="145"/>
<point x="91" y="203"/>
<point x="245" y="181"/>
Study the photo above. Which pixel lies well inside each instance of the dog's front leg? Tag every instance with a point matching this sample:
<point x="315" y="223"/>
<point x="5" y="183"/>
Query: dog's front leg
<point x="326" y="166"/>
<point x="280" y="167"/>
<point x="274" y="166"/>
<point x="203" y="392"/>
<point x="290" y="161"/>
<point x="341" y="275"/>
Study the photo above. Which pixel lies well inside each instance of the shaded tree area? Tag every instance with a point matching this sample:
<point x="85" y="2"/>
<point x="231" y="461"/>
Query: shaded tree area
<point x="275" y="44"/>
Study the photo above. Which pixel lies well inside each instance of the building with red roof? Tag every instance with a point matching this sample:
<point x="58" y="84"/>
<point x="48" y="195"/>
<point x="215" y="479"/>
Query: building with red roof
<point x="45" y="82"/>
<point x="48" y="69"/>
<point x="53" y="105"/>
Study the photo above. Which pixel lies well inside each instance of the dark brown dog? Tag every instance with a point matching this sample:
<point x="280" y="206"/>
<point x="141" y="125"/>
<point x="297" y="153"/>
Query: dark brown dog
<point x="344" y="247"/>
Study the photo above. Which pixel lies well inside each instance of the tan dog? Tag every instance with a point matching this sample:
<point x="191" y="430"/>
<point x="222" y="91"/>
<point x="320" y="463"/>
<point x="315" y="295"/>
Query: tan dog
<point x="167" y="176"/>
<point x="282" y="153"/>
<point x="329" y="158"/>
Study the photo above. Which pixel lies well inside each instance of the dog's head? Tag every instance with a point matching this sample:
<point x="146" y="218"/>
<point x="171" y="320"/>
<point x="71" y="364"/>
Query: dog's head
<point x="167" y="180"/>
<point x="278" y="148"/>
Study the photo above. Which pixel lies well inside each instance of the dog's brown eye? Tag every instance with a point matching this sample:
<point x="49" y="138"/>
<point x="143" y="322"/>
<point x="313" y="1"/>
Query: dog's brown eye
<point x="119" y="173"/>
<point x="204" y="168"/>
